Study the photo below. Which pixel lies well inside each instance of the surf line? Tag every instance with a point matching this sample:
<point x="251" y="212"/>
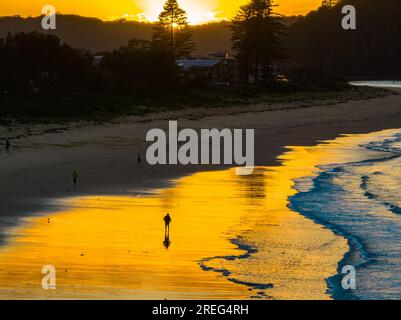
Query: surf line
<point x="249" y="250"/>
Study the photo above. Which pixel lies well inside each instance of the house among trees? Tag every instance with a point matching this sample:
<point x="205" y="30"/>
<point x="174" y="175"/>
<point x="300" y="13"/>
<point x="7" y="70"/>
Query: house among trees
<point x="217" y="69"/>
<point x="256" y="32"/>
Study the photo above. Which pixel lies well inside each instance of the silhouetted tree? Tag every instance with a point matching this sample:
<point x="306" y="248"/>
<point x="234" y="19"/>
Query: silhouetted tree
<point x="34" y="62"/>
<point x="172" y="31"/>
<point x="256" y="29"/>
<point x="40" y="76"/>
<point x="142" y="64"/>
<point x="370" y="51"/>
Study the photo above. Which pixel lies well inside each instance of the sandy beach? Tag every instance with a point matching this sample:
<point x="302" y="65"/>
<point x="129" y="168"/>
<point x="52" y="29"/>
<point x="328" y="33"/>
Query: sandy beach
<point x="43" y="157"/>
<point x="36" y="185"/>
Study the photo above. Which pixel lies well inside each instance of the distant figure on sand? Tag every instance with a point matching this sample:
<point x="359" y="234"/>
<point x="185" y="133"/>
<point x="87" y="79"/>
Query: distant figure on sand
<point x="167" y="221"/>
<point x="75" y="178"/>
<point x="8" y="146"/>
<point x="139" y="161"/>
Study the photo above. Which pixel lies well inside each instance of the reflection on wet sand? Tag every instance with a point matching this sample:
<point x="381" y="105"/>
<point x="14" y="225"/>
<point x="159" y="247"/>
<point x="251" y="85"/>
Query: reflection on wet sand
<point x="167" y="241"/>
<point x="234" y="238"/>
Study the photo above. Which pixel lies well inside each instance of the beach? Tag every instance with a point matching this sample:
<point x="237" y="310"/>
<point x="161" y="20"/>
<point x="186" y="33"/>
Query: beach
<point x="105" y="247"/>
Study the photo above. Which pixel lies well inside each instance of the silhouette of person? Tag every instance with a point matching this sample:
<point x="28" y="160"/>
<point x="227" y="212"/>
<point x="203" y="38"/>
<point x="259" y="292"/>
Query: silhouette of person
<point x="139" y="160"/>
<point x="75" y="178"/>
<point x="8" y="146"/>
<point x="167" y="221"/>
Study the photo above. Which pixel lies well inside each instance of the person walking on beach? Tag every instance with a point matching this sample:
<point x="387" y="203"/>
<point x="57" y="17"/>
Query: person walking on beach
<point x="8" y="146"/>
<point x="167" y="221"/>
<point x="75" y="178"/>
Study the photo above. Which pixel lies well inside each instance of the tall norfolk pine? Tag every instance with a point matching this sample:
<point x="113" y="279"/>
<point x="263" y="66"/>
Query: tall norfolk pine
<point x="256" y="29"/>
<point x="173" y="32"/>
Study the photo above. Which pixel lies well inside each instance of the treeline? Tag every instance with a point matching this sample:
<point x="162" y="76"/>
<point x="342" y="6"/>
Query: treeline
<point x="96" y="35"/>
<point x="141" y="64"/>
<point x="373" y="50"/>
<point x="41" y="76"/>
<point x="34" y="62"/>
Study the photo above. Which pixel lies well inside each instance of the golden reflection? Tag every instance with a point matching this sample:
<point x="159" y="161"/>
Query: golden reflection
<point x="117" y="247"/>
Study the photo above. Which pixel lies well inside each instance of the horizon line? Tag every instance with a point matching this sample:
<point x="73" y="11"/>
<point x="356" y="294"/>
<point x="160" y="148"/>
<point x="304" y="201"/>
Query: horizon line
<point x="130" y="20"/>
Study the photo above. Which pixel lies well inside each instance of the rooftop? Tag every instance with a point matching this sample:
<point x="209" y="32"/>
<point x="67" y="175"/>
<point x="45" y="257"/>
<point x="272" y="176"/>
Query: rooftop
<point x="186" y="64"/>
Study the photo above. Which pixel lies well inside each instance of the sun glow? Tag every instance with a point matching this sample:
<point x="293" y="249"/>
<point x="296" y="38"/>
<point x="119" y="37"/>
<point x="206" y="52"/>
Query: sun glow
<point x="204" y="11"/>
<point x="198" y="11"/>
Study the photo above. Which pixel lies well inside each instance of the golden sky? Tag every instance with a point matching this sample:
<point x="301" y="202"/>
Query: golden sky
<point x="199" y="11"/>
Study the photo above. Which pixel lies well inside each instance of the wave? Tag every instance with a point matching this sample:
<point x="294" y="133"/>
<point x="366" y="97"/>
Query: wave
<point x="361" y="201"/>
<point x="248" y="251"/>
<point x="365" y="186"/>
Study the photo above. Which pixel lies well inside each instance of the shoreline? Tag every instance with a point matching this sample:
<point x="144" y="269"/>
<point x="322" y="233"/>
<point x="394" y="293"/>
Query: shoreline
<point x="360" y="255"/>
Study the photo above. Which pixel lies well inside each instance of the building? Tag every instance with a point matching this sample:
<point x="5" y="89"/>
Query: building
<point x="97" y="60"/>
<point x="216" y="68"/>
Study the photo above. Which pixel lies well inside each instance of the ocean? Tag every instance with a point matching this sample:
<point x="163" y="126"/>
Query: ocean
<point x="378" y="83"/>
<point x="361" y="201"/>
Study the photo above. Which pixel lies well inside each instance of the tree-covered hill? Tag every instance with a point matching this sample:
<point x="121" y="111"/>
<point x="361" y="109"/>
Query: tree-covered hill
<point x="373" y="50"/>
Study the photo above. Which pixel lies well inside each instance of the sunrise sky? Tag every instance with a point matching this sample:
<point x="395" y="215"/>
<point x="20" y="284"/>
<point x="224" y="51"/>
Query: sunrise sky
<point x="199" y="11"/>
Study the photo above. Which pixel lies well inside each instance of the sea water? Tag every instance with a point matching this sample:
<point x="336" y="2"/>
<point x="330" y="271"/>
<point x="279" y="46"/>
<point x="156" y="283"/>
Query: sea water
<point x="362" y="202"/>
<point x="378" y="83"/>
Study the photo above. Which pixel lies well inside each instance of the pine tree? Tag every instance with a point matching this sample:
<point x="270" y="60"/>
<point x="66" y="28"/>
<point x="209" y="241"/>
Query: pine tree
<point x="256" y="29"/>
<point x="173" y="32"/>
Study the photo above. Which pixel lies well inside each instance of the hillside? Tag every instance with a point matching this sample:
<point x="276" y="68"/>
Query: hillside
<point x="373" y="50"/>
<point x="97" y="35"/>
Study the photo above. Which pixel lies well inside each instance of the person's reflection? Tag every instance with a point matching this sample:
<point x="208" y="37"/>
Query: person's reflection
<point x="167" y="241"/>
